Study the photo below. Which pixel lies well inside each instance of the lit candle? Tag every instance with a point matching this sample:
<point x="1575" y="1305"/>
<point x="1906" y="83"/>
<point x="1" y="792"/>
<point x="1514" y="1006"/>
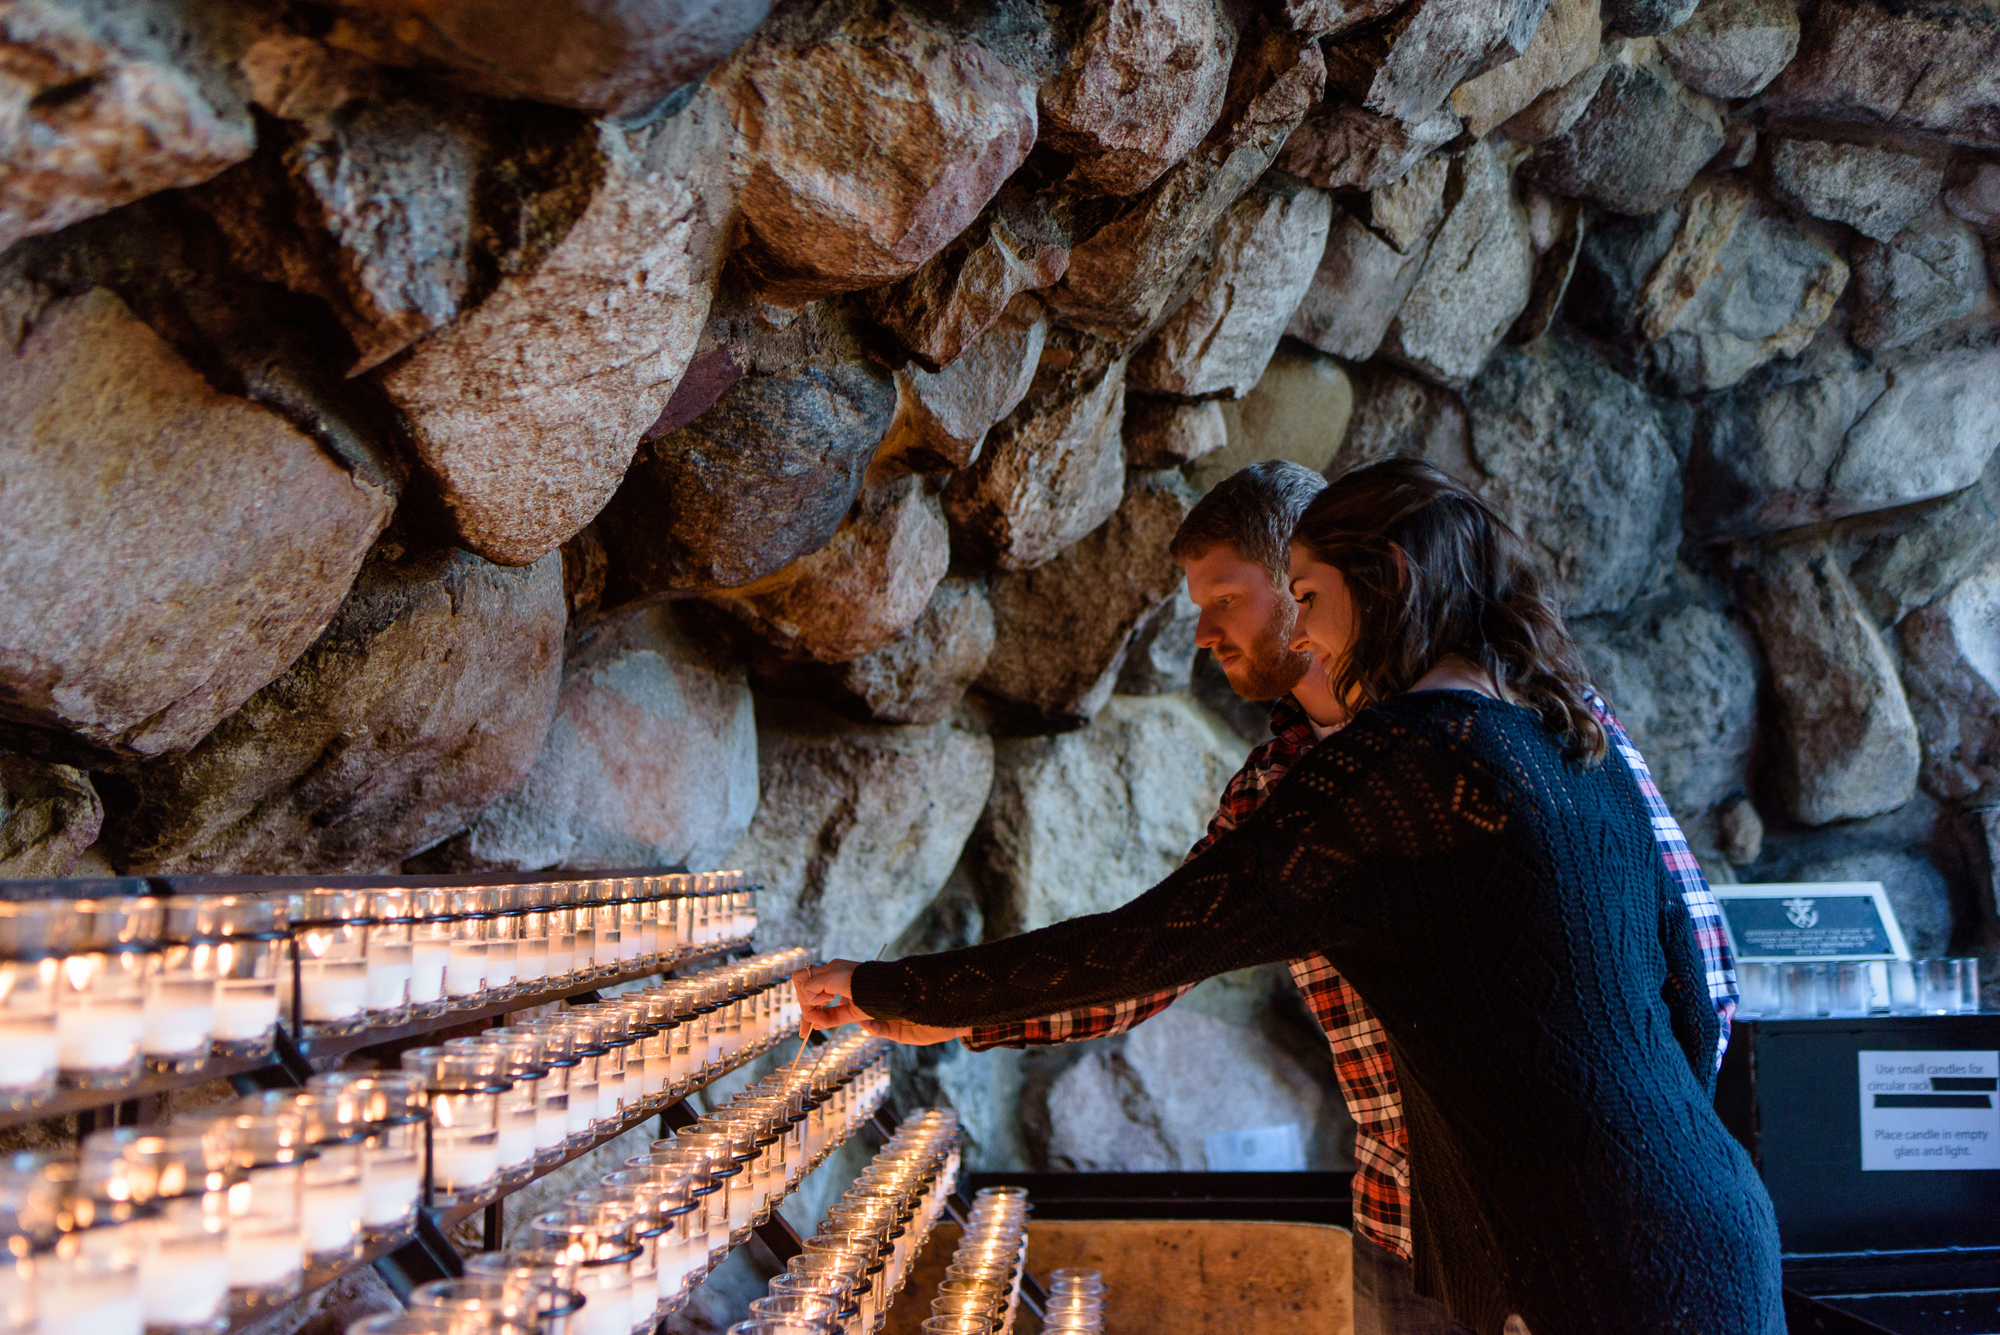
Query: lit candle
<point x="183" y="1026"/>
<point x="335" y="989"/>
<point x="500" y="960"/>
<point x="465" y="969"/>
<point x="389" y="1191"/>
<point x="99" y="1037"/>
<point x="464" y="1163"/>
<point x="531" y="959"/>
<point x="246" y="1009"/>
<point x="100" y="1304"/>
<point x="263" y="1254"/>
<point x="27" y="1051"/>
<point x="428" y="958"/>
<point x="388" y="976"/>
<point x="184" y="1285"/>
<point x="331" y="1214"/>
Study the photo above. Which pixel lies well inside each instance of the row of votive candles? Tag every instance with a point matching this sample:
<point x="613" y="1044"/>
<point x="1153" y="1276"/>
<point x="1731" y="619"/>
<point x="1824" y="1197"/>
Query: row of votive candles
<point x="96" y="991"/>
<point x="848" y="1273"/>
<point x="982" y="1285"/>
<point x="616" y="1258"/>
<point x="1858" y="987"/>
<point x="168" y="1229"/>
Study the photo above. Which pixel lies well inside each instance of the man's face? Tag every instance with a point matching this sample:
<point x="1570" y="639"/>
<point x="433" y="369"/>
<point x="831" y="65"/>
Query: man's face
<point x="1246" y="623"/>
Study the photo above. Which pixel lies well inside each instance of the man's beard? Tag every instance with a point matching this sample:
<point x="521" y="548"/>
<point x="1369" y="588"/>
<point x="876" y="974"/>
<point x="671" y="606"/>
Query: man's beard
<point x="1265" y="668"/>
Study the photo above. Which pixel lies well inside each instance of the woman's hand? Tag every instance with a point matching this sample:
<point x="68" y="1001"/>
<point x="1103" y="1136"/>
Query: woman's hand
<point x="825" y="993"/>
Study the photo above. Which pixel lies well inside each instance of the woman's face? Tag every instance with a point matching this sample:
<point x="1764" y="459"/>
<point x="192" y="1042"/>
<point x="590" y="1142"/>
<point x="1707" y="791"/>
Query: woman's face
<point x="1325" y="626"/>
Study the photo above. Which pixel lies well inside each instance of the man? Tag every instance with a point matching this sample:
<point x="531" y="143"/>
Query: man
<point x="1235" y="547"/>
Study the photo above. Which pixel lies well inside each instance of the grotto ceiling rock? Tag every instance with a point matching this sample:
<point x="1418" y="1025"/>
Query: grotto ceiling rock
<point x="460" y="434"/>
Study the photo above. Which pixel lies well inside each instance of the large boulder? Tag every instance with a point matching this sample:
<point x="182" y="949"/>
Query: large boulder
<point x="1876" y="190"/>
<point x="1051" y="472"/>
<point x="1931" y="68"/>
<point x="870" y="146"/>
<point x="1138" y="88"/>
<point x="1733" y="48"/>
<point x="1583" y="465"/>
<point x="1850" y="746"/>
<point x="622" y="60"/>
<point x="1475" y="279"/>
<point x="1712" y="287"/>
<point x="1371" y="262"/>
<point x="651" y="759"/>
<point x="1166" y="433"/>
<point x="1340" y="146"/>
<point x="1930" y="274"/>
<point x="1084" y="821"/>
<point x="48" y="815"/>
<point x="1637" y="143"/>
<point x="859" y="826"/>
<point x="863" y="589"/>
<point x="525" y="411"/>
<point x="1062" y="629"/>
<point x="169" y="548"/>
<point x="1917" y="562"/>
<point x="1217" y="343"/>
<point x="942" y="418"/>
<point x="1833" y="434"/>
<point x="1564" y="45"/>
<point x="1408" y="65"/>
<point x="1298" y="411"/>
<point x="1645" y="18"/>
<point x="1399" y="414"/>
<point x="763" y="477"/>
<point x="1951" y="668"/>
<point x="921" y="676"/>
<point x="427" y="697"/>
<point x="106" y="103"/>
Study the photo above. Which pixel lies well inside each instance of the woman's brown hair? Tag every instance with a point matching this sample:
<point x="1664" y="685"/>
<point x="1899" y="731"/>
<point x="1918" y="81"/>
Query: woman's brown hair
<point x="1433" y="571"/>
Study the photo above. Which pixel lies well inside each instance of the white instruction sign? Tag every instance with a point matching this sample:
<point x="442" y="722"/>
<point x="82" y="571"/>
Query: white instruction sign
<point x="1927" y="1111"/>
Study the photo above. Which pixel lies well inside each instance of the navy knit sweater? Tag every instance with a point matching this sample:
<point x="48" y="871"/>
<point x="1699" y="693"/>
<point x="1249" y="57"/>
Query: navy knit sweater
<point x="1506" y="914"/>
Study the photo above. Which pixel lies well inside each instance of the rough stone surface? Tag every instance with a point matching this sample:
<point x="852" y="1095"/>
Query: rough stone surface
<point x="858" y="826"/>
<point x="1974" y="195"/>
<point x="115" y="452"/>
<point x="760" y="479"/>
<point x="1160" y="658"/>
<point x="106" y="103"/>
<point x="1951" y="669"/>
<point x="1931" y="274"/>
<point x="1875" y="190"/>
<point x="1141" y="86"/>
<point x="1832" y="435"/>
<point x="1475" y="281"/>
<point x="1084" y="821"/>
<point x="621" y="60"/>
<point x="1340" y="146"/>
<point x="526" y="410"/>
<point x="651" y="759"/>
<point x="921" y="676"/>
<point x="863" y="589"/>
<point x="1636" y="145"/>
<point x="1555" y="111"/>
<point x="871" y="147"/>
<point x="1932" y="68"/>
<point x="48" y="815"/>
<point x="1165" y="433"/>
<point x="1583" y="466"/>
<point x="1733" y="48"/>
<point x="427" y="697"/>
<point x="942" y="418"/>
<point x="1219" y="340"/>
<point x="1644" y="18"/>
<point x="1910" y="567"/>
<point x="1564" y="45"/>
<point x="1061" y="630"/>
<point x="1050" y="473"/>
<point x="1400" y="414"/>
<point x="1298" y="411"/>
<point x="1850" y="746"/>
<point x="1889" y="849"/>
<point x="1407" y="66"/>
<point x="1714" y="286"/>
<point x="1371" y="263"/>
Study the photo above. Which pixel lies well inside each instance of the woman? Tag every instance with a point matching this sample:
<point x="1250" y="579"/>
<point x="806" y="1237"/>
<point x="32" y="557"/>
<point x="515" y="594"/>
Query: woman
<point x="1464" y="852"/>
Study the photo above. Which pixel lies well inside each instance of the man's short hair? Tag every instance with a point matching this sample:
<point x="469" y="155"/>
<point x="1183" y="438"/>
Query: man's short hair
<point x="1253" y="510"/>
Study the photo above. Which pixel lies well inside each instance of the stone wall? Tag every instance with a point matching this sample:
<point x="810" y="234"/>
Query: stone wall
<point x="470" y="434"/>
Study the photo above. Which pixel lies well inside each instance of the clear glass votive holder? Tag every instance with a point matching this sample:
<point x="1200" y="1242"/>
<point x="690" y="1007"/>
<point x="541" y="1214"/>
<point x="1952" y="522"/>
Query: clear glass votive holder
<point x="463" y="1134"/>
<point x="252" y="956"/>
<point x="332" y="1189"/>
<point x="1968" y="978"/>
<point x="580" y="908"/>
<point x="392" y="917"/>
<point x="1802" y="990"/>
<point x="503" y="942"/>
<point x="1942" y="986"/>
<point x="518" y="1105"/>
<point x="181" y="983"/>
<point x="598" y="1237"/>
<point x="605" y="909"/>
<point x="531" y="934"/>
<point x="330" y="956"/>
<point x="34" y="938"/>
<point x="1901" y="981"/>
<point x="430" y="952"/>
<point x="1848" y="992"/>
<point x="266" y="1242"/>
<point x="100" y="992"/>
<point x="472" y="917"/>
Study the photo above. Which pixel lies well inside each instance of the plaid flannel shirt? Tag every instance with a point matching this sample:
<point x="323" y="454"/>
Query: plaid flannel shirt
<point x="1362" y="1065"/>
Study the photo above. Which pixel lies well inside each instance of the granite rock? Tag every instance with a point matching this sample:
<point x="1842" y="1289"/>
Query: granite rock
<point x="48" y="815"/>
<point x="1406" y="66"/>
<point x="1878" y="191"/>
<point x="1916" y="563"/>
<point x="115" y="451"/>
<point x="1951" y="670"/>
<point x="1973" y="194"/>
<point x="1850" y="746"/>
<point x="942" y="418"/>
<point x="1930" y="274"/>
<point x="1218" y="341"/>
<point x="1564" y="45"/>
<point x="1583" y="466"/>
<point x="920" y="676"/>
<point x="1160" y="658"/>
<point x="1931" y="69"/>
<point x="1399" y="414"/>
<point x="1636" y="145"/>
<point x="1340" y="146"/>
<point x="1061" y="630"/>
<point x="1645" y="18"/>
<point x="1165" y="433"/>
<point x="1298" y="411"/>
<point x="1733" y="48"/>
<point x="622" y="60"/>
<point x="1138" y="90"/>
<point x="946" y="306"/>
<point x="106" y="103"/>
<point x="1370" y="264"/>
<point x="651" y="759"/>
<point x="428" y="696"/>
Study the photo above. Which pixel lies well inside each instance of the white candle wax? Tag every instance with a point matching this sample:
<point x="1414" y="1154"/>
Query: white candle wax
<point x="389" y="1191"/>
<point x="562" y="955"/>
<point x="582" y="1105"/>
<point x="172" y="1030"/>
<point x="99" y="1037"/>
<point x="583" y="952"/>
<point x="610" y="1094"/>
<point x="500" y="958"/>
<point x="388" y="978"/>
<point x="607" y="1300"/>
<point x="649" y="938"/>
<point x="333" y="989"/>
<point x="331" y="1213"/>
<point x="184" y="1286"/>
<point x="551" y="1121"/>
<point x="659" y="1071"/>
<point x="631" y="943"/>
<point x="465" y="969"/>
<point x="608" y="947"/>
<point x="464" y="1165"/>
<point x="427" y="965"/>
<point x="531" y="959"/>
<point x="99" y="1309"/>
<point x="517" y="1142"/>
<point x="245" y="1011"/>
<point x="27" y="1052"/>
<point x="263" y="1255"/>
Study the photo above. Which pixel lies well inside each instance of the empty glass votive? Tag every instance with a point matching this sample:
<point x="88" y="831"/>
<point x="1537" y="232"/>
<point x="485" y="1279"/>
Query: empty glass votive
<point x="1942" y="986"/>
<point x="1901" y="976"/>
<point x="1756" y="990"/>
<point x="251" y="956"/>
<point x="1968" y="978"/>
<point x="1802" y="990"/>
<point x="1847" y="988"/>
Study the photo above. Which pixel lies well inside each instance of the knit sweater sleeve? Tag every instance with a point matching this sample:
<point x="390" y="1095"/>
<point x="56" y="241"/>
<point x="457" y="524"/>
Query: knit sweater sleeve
<point x="1389" y="791"/>
<point x="1697" y="1024"/>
